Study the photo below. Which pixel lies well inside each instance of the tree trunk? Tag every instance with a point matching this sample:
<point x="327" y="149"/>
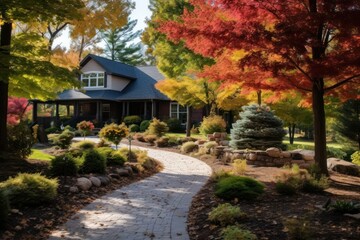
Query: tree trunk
<point x="258" y="93"/>
<point x="291" y="132"/>
<point x="319" y="124"/>
<point x="188" y="121"/>
<point x="4" y="81"/>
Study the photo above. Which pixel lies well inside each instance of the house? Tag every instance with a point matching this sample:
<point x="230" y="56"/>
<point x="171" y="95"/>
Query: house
<point x="110" y="91"/>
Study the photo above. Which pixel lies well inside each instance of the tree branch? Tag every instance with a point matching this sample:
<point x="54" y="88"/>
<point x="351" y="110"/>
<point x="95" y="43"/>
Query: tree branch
<point x="298" y="67"/>
<point x="341" y="83"/>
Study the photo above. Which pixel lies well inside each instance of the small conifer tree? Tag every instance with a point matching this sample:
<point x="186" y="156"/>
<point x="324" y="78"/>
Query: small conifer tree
<point x="257" y="128"/>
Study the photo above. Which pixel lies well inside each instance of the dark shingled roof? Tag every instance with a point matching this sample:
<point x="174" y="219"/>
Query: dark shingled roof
<point x="141" y="87"/>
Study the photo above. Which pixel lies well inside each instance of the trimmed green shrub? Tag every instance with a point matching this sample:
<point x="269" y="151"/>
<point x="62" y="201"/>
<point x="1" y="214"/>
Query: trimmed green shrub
<point x="93" y="162"/>
<point x="4" y="209"/>
<point x="134" y="128"/>
<point x="84" y="145"/>
<point x="157" y="128"/>
<point x="114" y="133"/>
<point x="313" y="185"/>
<point x="355" y="158"/>
<point x="70" y="128"/>
<point x="124" y="152"/>
<point x="226" y="214"/>
<point x="345" y="207"/>
<point x="240" y="187"/>
<point x="257" y="128"/>
<point x="189" y="147"/>
<point x="237" y="233"/>
<point x="162" y="142"/>
<point x="144" y="125"/>
<point x="174" y="125"/>
<point x="212" y="124"/>
<point x="63" y="140"/>
<point x="29" y="189"/>
<point x="115" y="159"/>
<point x="211" y="144"/>
<point x="133" y="119"/>
<point x="64" y="165"/>
<point x="20" y="140"/>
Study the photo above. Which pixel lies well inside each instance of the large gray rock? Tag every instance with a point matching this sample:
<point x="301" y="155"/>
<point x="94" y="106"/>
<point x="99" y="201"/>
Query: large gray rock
<point x="273" y="152"/>
<point x="104" y="180"/>
<point x="95" y="181"/>
<point x="122" y="172"/>
<point x="344" y="167"/>
<point x="83" y="183"/>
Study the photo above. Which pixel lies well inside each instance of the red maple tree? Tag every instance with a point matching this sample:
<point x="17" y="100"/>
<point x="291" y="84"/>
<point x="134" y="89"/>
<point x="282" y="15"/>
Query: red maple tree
<point x="17" y="110"/>
<point x="309" y="45"/>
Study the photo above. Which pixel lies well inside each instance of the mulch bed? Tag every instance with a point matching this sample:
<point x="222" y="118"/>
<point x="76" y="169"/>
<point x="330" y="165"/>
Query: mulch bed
<point x="38" y="222"/>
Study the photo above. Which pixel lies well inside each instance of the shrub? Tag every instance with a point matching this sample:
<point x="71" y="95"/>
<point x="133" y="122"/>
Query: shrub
<point x="115" y="159"/>
<point x="51" y="130"/>
<point x="139" y="137"/>
<point x="210" y="145"/>
<point x="216" y="176"/>
<point x="285" y="188"/>
<point x="237" y="233"/>
<point x="225" y="214"/>
<point x="162" y="142"/>
<point x="345" y="207"/>
<point x="240" y="187"/>
<point x="134" y="128"/>
<point x="313" y="185"/>
<point x="157" y="128"/>
<point x="355" y="158"/>
<point x="194" y="130"/>
<point x="20" y="139"/>
<point x="70" y="128"/>
<point x="133" y="119"/>
<point x="84" y="145"/>
<point x="93" y="162"/>
<point x="124" y="152"/>
<point x="4" y="208"/>
<point x="239" y="166"/>
<point x="174" y="125"/>
<point x="114" y="133"/>
<point x="144" y="125"/>
<point x="151" y="138"/>
<point x="103" y="143"/>
<point x="335" y="152"/>
<point x="257" y="128"/>
<point x="85" y="128"/>
<point x="29" y="189"/>
<point x="174" y="141"/>
<point x="298" y="229"/>
<point x="289" y="183"/>
<point x="63" y="140"/>
<point x="64" y="165"/>
<point x="189" y="147"/>
<point x="212" y="124"/>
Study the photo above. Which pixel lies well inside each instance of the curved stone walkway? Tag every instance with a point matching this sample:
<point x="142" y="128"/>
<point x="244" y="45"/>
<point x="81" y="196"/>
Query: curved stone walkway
<point x="153" y="208"/>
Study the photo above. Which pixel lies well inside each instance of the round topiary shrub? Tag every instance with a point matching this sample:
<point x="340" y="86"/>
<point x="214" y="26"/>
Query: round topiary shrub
<point x="63" y="140"/>
<point x="212" y="124"/>
<point x="134" y="128"/>
<point x="257" y="128"/>
<point x="115" y="159"/>
<point x="84" y="145"/>
<point x="174" y="125"/>
<point x="29" y="189"/>
<point x="20" y="139"/>
<point x="4" y="209"/>
<point x="64" y="165"/>
<point x="114" y="133"/>
<point x="226" y="214"/>
<point x="144" y="125"/>
<point x="188" y="147"/>
<point x="240" y="187"/>
<point x="134" y="119"/>
<point x="157" y="128"/>
<point x="93" y="162"/>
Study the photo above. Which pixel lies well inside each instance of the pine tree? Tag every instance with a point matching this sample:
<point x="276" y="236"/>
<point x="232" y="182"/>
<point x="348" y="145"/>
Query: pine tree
<point x="119" y="46"/>
<point x="257" y="128"/>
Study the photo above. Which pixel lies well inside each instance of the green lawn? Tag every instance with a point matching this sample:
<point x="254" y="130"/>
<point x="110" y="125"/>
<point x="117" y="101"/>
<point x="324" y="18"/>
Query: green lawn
<point x="310" y="144"/>
<point x="37" y="154"/>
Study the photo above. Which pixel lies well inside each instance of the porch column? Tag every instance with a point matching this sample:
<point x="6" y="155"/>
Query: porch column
<point x="57" y="115"/>
<point x="98" y="111"/>
<point x="153" y="109"/>
<point x="34" y="111"/>
<point x="76" y="109"/>
<point x="127" y="108"/>
<point x="123" y="109"/>
<point x="145" y="110"/>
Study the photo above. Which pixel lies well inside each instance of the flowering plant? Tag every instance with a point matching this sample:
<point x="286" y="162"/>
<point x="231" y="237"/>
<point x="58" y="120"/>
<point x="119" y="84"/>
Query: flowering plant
<point x="114" y="133"/>
<point x="85" y="127"/>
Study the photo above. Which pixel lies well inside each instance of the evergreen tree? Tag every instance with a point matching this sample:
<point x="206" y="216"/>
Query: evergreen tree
<point x="348" y="121"/>
<point x="257" y="128"/>
<point x="119" y="46"/>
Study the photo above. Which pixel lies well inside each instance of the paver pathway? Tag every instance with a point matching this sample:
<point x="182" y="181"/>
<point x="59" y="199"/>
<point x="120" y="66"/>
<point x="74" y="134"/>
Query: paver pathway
<point x="153" y="208"/>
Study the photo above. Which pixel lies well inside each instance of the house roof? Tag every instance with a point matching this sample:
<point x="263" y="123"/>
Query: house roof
<point x="111" y="67"/>
<point x="141" y="86"/>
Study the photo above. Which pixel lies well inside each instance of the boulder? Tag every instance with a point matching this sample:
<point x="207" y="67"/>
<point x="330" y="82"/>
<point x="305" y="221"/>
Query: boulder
<point x="104" y="180"/>
<point x="129" y="168"/>
<point x="285" y="154"/>
<point x="114" y="175"/>
<point x="83" y="183"/>
<point x="342" y="166"/>
<point x="307" y="155"/>
<point x="252" y="157"/>
<point x="273" y="152"/>
<point x="122" y="172"/>
<point x="74" y="189"/>
<point x="95" y="181"/>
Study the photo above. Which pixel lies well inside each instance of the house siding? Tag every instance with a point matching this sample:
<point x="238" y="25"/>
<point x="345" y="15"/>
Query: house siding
<point x="116" y="83"/>
<point x="92" y="66"/>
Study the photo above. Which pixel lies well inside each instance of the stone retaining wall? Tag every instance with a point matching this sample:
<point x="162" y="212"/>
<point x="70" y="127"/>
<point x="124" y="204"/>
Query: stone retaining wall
<point x="272" y="157"/>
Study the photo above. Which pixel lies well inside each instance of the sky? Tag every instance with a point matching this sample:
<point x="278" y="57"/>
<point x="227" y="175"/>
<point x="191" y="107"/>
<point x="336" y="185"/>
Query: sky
<point x="141" y="12"/>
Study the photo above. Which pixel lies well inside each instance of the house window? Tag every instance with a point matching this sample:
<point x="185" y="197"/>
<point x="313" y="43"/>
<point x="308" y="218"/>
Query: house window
<point x="178" y="111"/>
<point x="93" y="79"/>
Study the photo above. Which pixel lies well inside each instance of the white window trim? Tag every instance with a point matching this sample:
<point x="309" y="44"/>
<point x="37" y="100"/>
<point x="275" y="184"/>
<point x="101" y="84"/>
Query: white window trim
<point x="177" y="110"/>
<point x="97" y="79"/>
